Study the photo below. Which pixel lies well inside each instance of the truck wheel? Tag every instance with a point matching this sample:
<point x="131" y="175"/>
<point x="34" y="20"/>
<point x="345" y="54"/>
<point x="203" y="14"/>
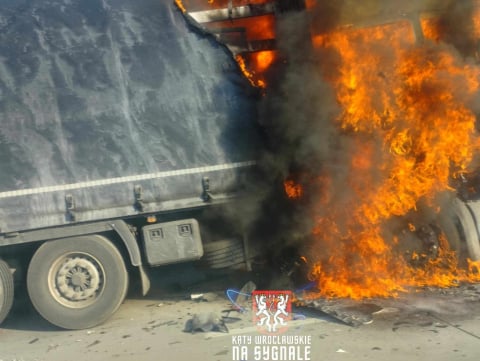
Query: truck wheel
<point x="6" y="290"/>
<point x="468" y="225"/>
<point x="77" y="282"/>
<point x="446" y="221"/>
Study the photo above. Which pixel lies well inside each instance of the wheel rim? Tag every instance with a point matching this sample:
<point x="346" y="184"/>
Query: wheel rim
<point x="76" y="280"/>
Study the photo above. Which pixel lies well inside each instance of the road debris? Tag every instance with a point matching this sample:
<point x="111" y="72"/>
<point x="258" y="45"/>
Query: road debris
<point x="240" y="299"/>
<point x="96" y="342"/>
<point x="245" y="293"/>
<point x="351" y="313"/>
<point x="52" y="347"/>
<point x="386" y="310"/>
<point x="197" y="297"/>
<point x="206" y="322"/>
<point x="154" y="325"/>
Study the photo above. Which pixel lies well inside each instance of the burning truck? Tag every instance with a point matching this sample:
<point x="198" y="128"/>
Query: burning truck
<point x="371" y="115"/>
<point x="131" y="130"/>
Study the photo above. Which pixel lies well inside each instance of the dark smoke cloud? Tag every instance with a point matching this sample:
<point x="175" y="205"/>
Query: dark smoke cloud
<point x="297" y="114"/>
<point x="455" y="26"/>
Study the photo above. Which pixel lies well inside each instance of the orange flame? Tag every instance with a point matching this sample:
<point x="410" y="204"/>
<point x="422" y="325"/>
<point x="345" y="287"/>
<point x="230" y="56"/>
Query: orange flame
<point x="180" y="5"/>
<point x="263" y="60"/>
<point x="405" y="111"/>
<point x="292" y="189"/>
<point x="250" y="75"/>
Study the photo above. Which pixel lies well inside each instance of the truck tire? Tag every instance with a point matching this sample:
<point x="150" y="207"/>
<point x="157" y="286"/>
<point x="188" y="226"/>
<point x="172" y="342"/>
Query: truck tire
<point x="77" y="282"/>
<point x="223" y="254"/>
<point x="446" y="220"/>
<point x="468" y="223"/>
<point x="6" y="290"/>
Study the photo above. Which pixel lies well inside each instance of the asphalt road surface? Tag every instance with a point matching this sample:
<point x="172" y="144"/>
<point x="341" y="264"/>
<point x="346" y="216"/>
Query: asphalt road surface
<point x="424" y="325"/>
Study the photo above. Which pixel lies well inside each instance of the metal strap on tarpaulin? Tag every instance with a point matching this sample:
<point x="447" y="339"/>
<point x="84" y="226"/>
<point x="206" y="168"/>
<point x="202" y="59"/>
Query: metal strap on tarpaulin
<point x="232" y="12"/>
<point x="126" y="179"/>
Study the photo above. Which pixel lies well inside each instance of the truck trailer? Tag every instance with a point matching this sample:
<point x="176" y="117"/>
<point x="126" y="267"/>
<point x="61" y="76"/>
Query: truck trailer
<point x="121" y="127"/>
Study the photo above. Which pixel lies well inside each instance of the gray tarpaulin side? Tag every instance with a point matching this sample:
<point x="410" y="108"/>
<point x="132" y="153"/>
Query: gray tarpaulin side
<point x="93" y="90"/>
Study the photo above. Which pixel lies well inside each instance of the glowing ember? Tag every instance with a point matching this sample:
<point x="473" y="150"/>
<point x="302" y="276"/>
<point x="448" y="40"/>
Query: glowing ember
<point x="250" y="75"/>
<point x="292" y="189"/>
<point x="258" y="63"/>
<point x="180" y="5"/>
<point x="263" y="60"/>
<point x="409" y="128"/>
<point x="310" y="3"/>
